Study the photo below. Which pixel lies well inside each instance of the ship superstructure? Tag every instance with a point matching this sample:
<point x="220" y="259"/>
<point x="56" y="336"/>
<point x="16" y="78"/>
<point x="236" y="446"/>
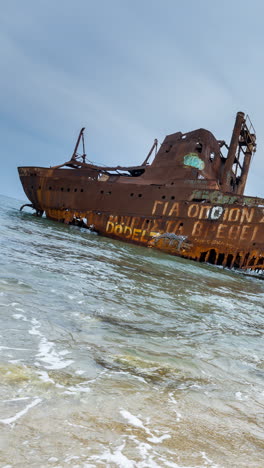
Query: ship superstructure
<point x="188" y="202"/>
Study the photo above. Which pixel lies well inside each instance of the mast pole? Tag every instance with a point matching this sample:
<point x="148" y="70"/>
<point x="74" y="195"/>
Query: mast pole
<point x="77" y="143"/>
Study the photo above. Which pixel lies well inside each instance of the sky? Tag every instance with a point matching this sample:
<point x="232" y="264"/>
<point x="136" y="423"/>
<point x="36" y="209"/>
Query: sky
<point x="128" y="71"/>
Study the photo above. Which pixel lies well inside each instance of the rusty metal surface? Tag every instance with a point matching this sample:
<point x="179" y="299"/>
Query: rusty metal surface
<point x="189" y="202"/>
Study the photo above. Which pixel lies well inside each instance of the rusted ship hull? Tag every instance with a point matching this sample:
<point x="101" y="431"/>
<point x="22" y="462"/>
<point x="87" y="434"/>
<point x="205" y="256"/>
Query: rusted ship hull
<point x="198" y="224"/>
<point x="181" y="204"/>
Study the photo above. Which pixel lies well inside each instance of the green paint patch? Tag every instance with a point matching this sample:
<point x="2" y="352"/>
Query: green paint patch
<point x="193" y="160"/>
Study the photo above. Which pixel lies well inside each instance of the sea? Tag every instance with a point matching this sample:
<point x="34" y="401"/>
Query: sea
<point x="115" y="355"/>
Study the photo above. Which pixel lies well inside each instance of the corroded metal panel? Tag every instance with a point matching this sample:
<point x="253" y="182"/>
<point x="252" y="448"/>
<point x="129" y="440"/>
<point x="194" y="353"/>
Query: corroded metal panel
<point x="176" y="204"/>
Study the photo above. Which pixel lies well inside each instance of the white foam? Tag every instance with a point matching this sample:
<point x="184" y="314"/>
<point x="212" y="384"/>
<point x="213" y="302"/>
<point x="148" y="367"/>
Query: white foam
<point x="20" y="317"/>
<point x="136" y="377"/>
<point x="47" y="352"/>
<point x="35" y="328"/>
<point x="76" y="425"/>
<point x="16" y="399"/>
<point x="174" y="402"/>
<point x="21" y="413"/>
<point x="77" y="389"/>
<point x="132" y="419"/>
<point x="136" y="422"/>
<point x="158" y="440"/>
<point x="71" y="457"/>
<point x="64" y="352"/>
<point x="239" y="396"/>
<point x="48" y="355"/>
<point x="207" y="460"/>
<point x="15" y="349"/>
<point x="44" y="376"/>
<point x="116" y="457"/>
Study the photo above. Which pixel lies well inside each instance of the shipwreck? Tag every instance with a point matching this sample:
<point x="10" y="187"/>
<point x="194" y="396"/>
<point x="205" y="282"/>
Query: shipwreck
<point x="189" y="201"/>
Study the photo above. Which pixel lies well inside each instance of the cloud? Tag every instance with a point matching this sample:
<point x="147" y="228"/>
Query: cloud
<point x="128" y="72"/>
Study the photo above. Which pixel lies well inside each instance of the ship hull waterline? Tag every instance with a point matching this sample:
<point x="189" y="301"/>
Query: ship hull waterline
<point x="190" y="220"/>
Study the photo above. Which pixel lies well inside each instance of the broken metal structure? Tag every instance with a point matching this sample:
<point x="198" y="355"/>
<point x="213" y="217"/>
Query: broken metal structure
<point x="188" y="202"/>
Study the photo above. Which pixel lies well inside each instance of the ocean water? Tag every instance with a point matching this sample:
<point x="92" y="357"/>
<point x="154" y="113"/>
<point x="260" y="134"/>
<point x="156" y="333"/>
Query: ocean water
<point x="114" y="355"/>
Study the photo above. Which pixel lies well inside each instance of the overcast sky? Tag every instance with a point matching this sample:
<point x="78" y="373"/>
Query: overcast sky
<point x="129" y="71"/>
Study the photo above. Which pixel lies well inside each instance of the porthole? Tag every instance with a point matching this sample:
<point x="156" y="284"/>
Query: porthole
<point x="75" y="190"/>
<point x="62" y="189"/>
<point x="81" y="190"/>
<point x="212" y="156"/>
<point x="163" y="197"/>
<point x="172" y="197"/>
<point x="102" y="191"/>
<point x="140" y="195"/>
<point x="131" y="194"/>
<point x="68" y="190"/>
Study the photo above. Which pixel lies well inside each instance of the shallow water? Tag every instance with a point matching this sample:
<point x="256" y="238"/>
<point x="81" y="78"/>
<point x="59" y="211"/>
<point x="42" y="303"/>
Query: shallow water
<point x="114" y="355"/>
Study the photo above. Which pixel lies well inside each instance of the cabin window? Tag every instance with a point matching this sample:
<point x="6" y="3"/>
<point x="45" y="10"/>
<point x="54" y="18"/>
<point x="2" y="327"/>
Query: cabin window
<point x="199" y="147"/>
